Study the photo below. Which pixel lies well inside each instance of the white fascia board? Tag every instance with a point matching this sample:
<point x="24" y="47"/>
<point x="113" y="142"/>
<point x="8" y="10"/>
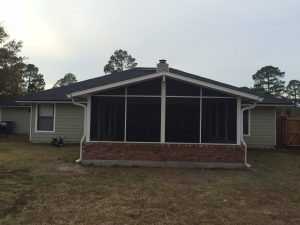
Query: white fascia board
<point x="56" y="102"/>
<point x="269" y="105"/>
<point x="168" y="74"/>
<point x="216" y="87"/>
<point x="20" y="106"/>
<point x="274" y="105"/>
<point x="117" y="84"/>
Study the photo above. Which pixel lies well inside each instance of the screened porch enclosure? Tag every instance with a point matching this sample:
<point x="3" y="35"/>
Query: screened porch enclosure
<point x="163" y="110"/>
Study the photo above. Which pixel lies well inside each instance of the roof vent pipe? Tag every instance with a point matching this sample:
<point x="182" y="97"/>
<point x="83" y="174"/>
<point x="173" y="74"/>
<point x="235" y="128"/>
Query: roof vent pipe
<point x="162" y="66"/>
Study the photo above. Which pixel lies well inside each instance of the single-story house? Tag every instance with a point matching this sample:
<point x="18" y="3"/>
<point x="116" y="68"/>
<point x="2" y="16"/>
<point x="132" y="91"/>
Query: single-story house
<point x="16" y="114"/>
<point x="157" y="117"/>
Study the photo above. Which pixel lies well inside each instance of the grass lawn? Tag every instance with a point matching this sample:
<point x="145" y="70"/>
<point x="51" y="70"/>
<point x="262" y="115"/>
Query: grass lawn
<point x="40" y="184"/>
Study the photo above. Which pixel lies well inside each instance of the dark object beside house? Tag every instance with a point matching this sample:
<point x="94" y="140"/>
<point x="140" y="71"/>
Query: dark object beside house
<point x="58" y="141"/>
<point x="7" y="127"/>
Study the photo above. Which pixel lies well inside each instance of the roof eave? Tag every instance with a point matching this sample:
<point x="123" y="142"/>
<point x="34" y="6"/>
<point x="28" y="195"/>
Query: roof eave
<point x="168" y="74"/>
<point x="275" y="105"/>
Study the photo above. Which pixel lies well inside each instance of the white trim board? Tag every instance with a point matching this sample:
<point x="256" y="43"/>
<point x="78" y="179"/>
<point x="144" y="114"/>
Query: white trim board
<point x="167" y="74"/>
<point x="275" y="130"/>
<point x="273" y="105"/>
<point x="147" y="142"/>
<point x="21" y="106"/>
<point x="163" y="111"/>
<point x="50" y="102"/>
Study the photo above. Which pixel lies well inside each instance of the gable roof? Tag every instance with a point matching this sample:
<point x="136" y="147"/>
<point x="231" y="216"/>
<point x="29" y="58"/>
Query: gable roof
<point x="60" y="94"/>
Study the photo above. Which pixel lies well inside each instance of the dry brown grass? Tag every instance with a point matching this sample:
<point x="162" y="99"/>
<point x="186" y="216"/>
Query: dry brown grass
<point x="40" y="184"/>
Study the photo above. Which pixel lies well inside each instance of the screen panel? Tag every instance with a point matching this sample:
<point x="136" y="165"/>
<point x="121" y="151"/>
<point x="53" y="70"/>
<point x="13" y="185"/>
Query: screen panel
<point x="114" y="91"/>
<point x="213" y="93"/>
<point x="219" y="121"/>
<point x="107" y="118"/>
<point x="179" y="88"/>
<point x="143" y="119"/>
<point x="182" y="120"/>
<point x="150" y="87"/>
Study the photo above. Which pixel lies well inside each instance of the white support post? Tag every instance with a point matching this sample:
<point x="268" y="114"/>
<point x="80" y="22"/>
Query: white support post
<point x="238" y="121"/>
<point x="200" y="128"/>
<point x="88" y="119"/>
<point x="275" y="130"/>
<point x="163" y="111"/>
<point x="125" y="121"/>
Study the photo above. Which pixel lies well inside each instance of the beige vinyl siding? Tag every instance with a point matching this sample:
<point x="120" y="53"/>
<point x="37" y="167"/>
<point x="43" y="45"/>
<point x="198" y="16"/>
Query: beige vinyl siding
<point x="20" y="116"/>
<point x="68" y="124"/>
<point x="262" y="128"/>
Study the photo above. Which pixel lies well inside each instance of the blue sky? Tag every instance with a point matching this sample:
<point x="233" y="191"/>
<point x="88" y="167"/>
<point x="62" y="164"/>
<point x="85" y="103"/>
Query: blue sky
<point x="220" y="39"/>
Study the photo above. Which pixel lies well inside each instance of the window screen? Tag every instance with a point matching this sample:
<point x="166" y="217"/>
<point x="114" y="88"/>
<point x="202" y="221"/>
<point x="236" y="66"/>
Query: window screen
<point x="182" y="120"/>
<point x="179" y="88"/>
<point x="143" y="119"/>
<point x="45" y="120"/>
<point x="114" y="91"/>
<point x="107" y="118"/>
<point x="218" y="121"/>
<point x="246" y="117"/>
<point x="209" y="92"/>
<point x="151" y="87"/>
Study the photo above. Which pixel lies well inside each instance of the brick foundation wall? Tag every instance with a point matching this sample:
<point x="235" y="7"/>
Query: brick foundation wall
<point x="163" y="152"/>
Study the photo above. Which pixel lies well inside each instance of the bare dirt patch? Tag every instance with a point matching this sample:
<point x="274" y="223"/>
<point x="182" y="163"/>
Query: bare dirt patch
<point x="76" y="168"/>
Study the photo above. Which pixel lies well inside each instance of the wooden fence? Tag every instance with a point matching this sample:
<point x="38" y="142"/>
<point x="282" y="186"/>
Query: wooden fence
<point x="288" y="131"/>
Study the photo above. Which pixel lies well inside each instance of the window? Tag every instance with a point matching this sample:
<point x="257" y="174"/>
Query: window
<point x="45" y="117"/>
<point x="143" y="119"/>
<point x="107" y="118"/>
<point x="219" y="121"/>
<point x="246" y="123"/>
<point x="182" y="120"/>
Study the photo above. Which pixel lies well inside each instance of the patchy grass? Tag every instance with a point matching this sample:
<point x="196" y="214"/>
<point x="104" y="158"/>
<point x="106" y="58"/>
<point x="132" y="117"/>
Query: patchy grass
<point x="40" y="184"/>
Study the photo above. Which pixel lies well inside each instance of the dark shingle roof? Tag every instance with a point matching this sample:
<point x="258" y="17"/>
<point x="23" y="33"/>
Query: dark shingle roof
<point x="267" y="98"/>
<point x="270" y="100"/>
<point x="60" y="94"/>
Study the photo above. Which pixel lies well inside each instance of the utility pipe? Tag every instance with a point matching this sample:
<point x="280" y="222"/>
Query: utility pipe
<point x="242" y="131"/>
<point x="84" y="128"/>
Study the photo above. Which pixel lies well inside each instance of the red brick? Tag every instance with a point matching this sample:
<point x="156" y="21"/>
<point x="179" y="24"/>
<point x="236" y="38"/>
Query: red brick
<point x="164" y="152"/>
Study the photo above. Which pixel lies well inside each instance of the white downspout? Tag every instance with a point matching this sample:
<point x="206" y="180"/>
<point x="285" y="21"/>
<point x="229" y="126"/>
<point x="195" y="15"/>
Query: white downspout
<point x="84" y="128"/>
<point x="242" y="131"/>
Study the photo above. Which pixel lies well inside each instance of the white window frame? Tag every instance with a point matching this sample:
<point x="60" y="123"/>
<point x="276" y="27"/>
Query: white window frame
<point x="249" y="127"/>
<point x="36" y="118"/>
